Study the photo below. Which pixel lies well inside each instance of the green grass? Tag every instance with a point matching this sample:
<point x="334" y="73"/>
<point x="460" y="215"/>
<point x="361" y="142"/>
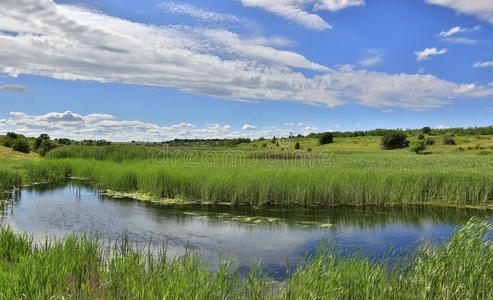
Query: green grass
<point x="81" y="267"/>
<point x="352" y="171"/>
<point x="357" y="179"/>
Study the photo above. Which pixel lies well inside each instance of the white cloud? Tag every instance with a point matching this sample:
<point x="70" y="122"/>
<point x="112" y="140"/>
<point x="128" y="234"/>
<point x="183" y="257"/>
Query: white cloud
<point x="489" y="108"/>
<point x="72" y="43"/>
<point x="288" y="124"/>
<point x="458" y="29"/>
<point x="483" y="64"/>
<point x="310" y="129"/>
<point x="424" y="55"/>
<point x="198" y="13"/>
<point x="465" y="88"/>
<point x="442" y="127"/>
<point x="357" y="124"/>
<point x="482" y="9"/>
<point x="101" y="126"/>
<point x="371" y="61"/>
<point x="300" y="124"/>
<point x="295" y="10"/>
<point x="387" y="110"/>
<point x="13" y="88"/>
<point x="249" y="127"/>
<point x="459" y="40"/>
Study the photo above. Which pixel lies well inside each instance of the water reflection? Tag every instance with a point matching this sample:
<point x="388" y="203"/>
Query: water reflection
<point x="273" y="235"/>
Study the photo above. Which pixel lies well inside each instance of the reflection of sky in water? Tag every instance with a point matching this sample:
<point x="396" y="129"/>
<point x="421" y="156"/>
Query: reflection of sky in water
<point x="68" y="208"/>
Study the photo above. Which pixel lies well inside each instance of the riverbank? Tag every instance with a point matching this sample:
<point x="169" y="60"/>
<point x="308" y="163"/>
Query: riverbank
<point x="81" y="267"/>
<point x="363" y="179"/>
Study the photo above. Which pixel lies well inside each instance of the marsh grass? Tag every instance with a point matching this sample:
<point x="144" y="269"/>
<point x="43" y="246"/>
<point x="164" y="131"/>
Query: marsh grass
<point x="355" y="180"/>
<point x="82" y="267"/>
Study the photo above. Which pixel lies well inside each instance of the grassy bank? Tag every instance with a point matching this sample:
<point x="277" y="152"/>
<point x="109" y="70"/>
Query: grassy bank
<point x="81" y="267"/>
<point x="359" y="179"/>
<point x="259" y="177"/>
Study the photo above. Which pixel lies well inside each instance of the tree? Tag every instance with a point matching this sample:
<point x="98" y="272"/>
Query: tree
<point x="42" y="137"/>
<point x="417" y="146"/>
<point x="421" y="136"/>
<point x="12" y="135"/>
<point x="394" y="139"/>
<point x="45" y="146"/>
<point x="326" y="138"/>
<point x="297" y="145"/>
<point x="426" y="130"/>
<point x="21" y="145"/>
<point x="273" y="141"/>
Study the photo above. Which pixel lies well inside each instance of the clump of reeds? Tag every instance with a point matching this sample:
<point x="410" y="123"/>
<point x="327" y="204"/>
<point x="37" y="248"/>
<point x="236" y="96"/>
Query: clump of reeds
<point x="81" y="267"/>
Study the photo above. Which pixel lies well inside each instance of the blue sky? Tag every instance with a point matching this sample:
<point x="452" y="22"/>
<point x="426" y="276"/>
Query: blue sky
<point x="158" y="70"/>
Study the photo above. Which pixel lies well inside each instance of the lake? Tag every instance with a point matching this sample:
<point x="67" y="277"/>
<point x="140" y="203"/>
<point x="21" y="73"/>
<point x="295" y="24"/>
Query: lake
<point x="276" y="236"/>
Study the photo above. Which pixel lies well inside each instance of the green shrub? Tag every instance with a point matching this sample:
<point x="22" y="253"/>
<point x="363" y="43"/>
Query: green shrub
<point x="7" y="142"/>
<point x="429" y="141"/>
<point x="326" y="138"/>
<point x="421" y="136"/>
<point x="449" y="140"/>
<point x="297" y="145"/>
<point x="394" y="139"/>
<point x="426" y="130"/>
<point x="417" y="146"/>
<point x="21" y="145"/>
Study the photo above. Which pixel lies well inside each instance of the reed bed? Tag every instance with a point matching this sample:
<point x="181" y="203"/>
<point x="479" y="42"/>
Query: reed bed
<point x="369" y="181"/>
<point x="81" y="267"/>
<point x="256" y="179"/>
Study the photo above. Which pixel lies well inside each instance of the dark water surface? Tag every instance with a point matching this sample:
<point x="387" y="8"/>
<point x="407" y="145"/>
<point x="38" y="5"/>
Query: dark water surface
<point x="275" y="236"/>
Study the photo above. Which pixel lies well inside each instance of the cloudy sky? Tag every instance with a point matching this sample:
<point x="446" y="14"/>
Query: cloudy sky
<point x="158" y="70"/>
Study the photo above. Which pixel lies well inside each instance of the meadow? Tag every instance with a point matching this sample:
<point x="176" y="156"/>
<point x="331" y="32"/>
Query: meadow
<point x="81" y="267"/>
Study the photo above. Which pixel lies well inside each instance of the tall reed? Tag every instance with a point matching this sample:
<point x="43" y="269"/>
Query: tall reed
<point x="82" y="267"/>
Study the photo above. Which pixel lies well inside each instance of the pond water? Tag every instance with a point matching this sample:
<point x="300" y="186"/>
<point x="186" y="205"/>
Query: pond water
<point x="274" y="236"/>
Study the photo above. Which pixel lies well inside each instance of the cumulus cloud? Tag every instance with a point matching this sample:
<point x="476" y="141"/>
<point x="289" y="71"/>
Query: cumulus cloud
<point x="442" y="127"/>
<point x="296" y="10"/>
<point x="248" y="127"/>
<point x="424" y="55"/>
<point x="483" y="64"/>
<point x="13" y="88"/>
<point x="310" y="129"/>
<point x="72" y="43"/>
<point x="482" y="9"/>
<point x="102" y="126"/>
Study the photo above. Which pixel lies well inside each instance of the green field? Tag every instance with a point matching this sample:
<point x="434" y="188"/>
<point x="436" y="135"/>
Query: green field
<point x="83" y="268"/>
